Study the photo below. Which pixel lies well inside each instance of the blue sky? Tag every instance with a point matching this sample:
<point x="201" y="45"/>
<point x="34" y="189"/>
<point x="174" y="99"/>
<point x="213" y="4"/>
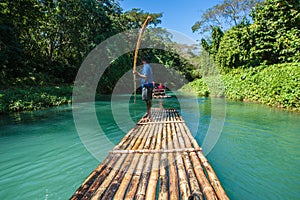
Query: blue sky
<point x="178" y="15"/>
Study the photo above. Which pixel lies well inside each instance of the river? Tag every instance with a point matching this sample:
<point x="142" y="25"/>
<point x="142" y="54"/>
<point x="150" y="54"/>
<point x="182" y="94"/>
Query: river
<point x="256" y="156"/>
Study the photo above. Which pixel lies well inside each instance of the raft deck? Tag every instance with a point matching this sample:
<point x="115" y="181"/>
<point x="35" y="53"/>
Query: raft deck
<point x="160" y="94"/>
<point x="159" y="159"/>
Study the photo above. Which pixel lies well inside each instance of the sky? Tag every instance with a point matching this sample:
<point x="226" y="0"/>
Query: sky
<point x="178" y="15"/>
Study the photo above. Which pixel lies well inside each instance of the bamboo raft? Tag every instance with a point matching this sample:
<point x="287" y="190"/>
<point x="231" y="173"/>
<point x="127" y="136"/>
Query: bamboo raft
<point x="160" y="94"/>
<point x="159" y="159"/>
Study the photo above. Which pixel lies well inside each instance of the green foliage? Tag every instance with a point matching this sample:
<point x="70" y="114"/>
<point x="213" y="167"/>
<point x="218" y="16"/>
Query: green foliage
<point x="53" y="37"/>
<point x="163" y="54"/>
<point x="50" y="37"/>
<point x="213" y="46"/>
<point x="210" y="82"/>
<point x="43" y="43"/>
<point x="217" y="35"/>
<point x="260" y="61"/>
<point x="198" y="87"/>
<point x="13" y="23"/>
<point x="274" y="37"/>
<point x="205" y="45"/>
<point x="275" y="32"/>
<point x="175" y="61"/>
<point x="275" y="85"/>
<point x="134" y="19"/>
<point x="234" y="49"/>
<point x="207" y="86"/>
<point x="33" y="98"/>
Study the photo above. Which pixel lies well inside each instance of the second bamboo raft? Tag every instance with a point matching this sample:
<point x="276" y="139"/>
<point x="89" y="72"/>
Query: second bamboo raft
<point x="155" y="160"/>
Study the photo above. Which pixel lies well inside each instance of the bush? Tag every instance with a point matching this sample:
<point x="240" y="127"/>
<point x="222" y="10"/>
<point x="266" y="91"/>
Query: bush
<point x="33" y="98"/>
<point x="197" y="86"/>
<point x="275" y="85"/>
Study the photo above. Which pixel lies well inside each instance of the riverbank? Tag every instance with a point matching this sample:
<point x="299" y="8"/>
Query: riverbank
<point x="275" y="85"/>
<point x="32" y="98"/>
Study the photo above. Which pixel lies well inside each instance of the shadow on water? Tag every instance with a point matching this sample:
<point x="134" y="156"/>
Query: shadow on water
<point x="33" y="116"/>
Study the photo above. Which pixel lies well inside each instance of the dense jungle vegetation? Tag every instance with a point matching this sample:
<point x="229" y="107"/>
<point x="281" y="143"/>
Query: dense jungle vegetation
<point x="43" y="44"/>
<point x="259" y="60"/>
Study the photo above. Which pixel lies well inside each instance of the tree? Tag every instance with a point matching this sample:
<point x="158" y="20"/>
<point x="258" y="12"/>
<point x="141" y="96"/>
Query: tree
<point x="234" y="49"/>
<point x="44" y="42"/>
<point x="17" y="18"/>
<point x="275" y="33"/>
<point x="11" y="52"/>
<point x="134" y="19"/>
<point x="273" y="37"/>
<point x="213" y="46"/>
<point x="229" y="13"/>
<point x="52" y="37"/>
<point x="71" y="30"/>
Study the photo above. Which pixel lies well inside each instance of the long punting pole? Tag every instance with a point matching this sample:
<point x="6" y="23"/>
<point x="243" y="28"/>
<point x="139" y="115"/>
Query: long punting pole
<point x="136" y="52"/>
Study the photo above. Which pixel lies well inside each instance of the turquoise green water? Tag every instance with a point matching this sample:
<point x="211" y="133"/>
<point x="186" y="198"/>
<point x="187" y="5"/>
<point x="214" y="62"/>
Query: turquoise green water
<point x="256" y="157"/>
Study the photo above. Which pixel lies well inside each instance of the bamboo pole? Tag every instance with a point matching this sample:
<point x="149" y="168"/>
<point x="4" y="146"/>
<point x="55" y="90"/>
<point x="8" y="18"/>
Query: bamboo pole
<point x="193" y="181"/>
<point x="102" y="176"/>
<point x="106" y="182"/>
<point x="183" y="183"/>
<point x="214" y="181"/>
<point x="132" y="190"/>
<point x="151" y="189"/>
<point x="163" y="178"/>
<point x="92" y="181"/>
<point x="136" y="52"/>
<point x="128" y="176"/>
<point x="112" y="169"/>
<point x="161" y="122"/>
<point x="184" y="141"/>
<point x="207" y="189"/>
<point x="206" y="186"/>
<point x="140" y="151"/>
<point x="83" y="189"/>
<point x="125" y="173"/>
<point x="114" y="185"/>
<point x="127" y="138"/>
<point x="109" y="178"/>
<point x="135" y="178"/>
<point x="174" y="192"/>
<point x="126" y="141"/>
<point x="110" y="166"/>
<point x="141" y="192"/>
<point x="106" y="171"/>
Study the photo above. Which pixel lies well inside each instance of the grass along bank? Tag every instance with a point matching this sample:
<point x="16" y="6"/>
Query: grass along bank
<point x="275" y="85"/>
<point x="34" y="98"/>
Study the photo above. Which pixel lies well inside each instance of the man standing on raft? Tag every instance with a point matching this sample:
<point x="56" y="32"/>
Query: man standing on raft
<point x="147" y="84"/>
